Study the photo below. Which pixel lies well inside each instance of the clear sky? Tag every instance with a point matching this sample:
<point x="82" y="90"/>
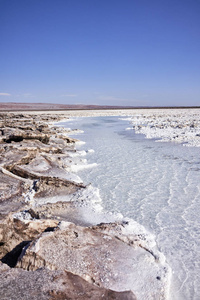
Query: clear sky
<point x="113" y="52"/>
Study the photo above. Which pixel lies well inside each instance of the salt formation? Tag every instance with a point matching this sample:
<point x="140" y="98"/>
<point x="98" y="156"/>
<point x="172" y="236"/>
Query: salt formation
<point x="43" y="204"/>
<point x="179" y="126"/>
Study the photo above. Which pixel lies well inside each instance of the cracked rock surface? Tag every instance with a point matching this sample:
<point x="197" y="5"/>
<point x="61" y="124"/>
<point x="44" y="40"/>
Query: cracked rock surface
<point x="48" y="249"/>
<point x="17" y="284"/>
<point x="98" y="257"/>
<point x="35" y="170"/>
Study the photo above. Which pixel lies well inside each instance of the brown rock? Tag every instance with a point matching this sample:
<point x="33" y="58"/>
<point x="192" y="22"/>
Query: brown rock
<point x="43" y="284"/>
<point x="16" y="233"/>
<point x="97" y="257"/>
<point x="11" y="189"/>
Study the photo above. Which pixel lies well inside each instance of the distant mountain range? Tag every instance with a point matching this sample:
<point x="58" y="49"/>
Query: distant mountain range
<point x="50" y="106"/>
<point x="13" y="106"/>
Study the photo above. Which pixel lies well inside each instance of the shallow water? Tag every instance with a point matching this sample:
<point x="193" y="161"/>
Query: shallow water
<point x="157" y="184"/>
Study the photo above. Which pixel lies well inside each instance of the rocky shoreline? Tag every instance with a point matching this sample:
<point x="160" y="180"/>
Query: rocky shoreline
<point x="48" y="250"/>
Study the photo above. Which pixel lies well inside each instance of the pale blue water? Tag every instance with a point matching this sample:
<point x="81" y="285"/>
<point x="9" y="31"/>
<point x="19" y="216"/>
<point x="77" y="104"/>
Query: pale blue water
<point x="156" y="184"/>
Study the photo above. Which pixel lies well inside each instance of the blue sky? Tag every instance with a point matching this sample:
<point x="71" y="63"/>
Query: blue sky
<point x="130" y="52"/>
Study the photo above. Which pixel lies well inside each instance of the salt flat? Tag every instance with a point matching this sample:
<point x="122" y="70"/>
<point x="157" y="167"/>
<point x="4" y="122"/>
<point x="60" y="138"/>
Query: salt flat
<point x="155" y="183"/>
<point x="52" y="157"/>
<point x="178" y="125"/>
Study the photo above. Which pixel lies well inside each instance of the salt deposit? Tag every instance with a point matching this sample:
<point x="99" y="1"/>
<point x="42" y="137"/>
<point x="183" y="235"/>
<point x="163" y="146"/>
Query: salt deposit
<point x="181" y="127"/>
<point x="156" y="184"/>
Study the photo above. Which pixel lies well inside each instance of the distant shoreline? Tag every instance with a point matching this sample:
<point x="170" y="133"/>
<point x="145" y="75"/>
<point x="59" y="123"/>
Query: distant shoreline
<point x="11" y="106"/>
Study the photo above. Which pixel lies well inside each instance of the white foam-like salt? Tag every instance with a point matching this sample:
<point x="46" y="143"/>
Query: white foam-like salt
<point x="76" y="168"/>
<point x="22" y="215"/>
<point x="73" y="177"/>
<point x="74" y="132"/>
<point x="180" y="127"/>
<point x="29" y="196"/>
<point x="79" y="143"/>
<point x="75" y="163"/>
<point x="88" y="196"/>
<point x="84" y="197"/>
<point x="81" y="153"/>
<point x="160" y="181"/>
<point x="78" y="153"/>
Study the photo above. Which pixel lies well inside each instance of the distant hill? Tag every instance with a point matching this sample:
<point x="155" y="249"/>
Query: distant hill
<point x="13" y="106"/>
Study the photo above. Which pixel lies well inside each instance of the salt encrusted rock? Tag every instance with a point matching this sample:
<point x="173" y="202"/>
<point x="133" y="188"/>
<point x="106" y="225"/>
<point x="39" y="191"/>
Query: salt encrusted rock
<point x="46" y="186"/>
<point x="11" y="190"/>
<point x="17" y="230"/>
<point x="30" y="155"/>
<point x="43" y="284"/>
<point x="34" y="162"/>
<point x="99" y="258"/>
